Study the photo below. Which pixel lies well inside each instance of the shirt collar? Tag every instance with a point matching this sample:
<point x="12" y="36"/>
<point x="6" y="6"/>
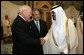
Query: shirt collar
<point x="36" y="21"/>
<point x="22" y="17"/>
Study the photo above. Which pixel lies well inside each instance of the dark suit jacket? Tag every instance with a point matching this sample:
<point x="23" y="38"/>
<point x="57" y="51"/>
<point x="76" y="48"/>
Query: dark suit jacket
<point x="23" y="41"/>
<point x="35" y="33"/>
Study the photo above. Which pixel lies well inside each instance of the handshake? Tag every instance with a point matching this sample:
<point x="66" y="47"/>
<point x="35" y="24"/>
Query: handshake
<point x="42" y="40"/>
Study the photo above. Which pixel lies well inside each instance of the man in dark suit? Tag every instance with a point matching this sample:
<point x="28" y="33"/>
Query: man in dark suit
<point x="23" y="41"/>
<point x="38" y="29"/>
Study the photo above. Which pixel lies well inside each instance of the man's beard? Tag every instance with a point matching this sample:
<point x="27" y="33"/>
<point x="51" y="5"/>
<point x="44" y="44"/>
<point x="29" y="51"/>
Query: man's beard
<point x="54" y="18"/>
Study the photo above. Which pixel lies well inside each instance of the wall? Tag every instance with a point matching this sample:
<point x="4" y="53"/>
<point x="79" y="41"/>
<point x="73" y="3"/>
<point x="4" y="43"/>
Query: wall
<point x="10" y="9"/>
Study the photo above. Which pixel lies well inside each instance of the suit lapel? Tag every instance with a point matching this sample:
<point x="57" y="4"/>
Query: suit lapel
<point x="40" y="25"/>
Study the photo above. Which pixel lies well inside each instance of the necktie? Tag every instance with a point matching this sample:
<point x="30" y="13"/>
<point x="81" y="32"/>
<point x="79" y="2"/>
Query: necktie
<point x="37" y="24"/>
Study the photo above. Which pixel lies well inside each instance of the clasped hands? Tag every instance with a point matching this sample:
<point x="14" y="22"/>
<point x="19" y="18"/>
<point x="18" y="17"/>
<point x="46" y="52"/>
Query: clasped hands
<point x="42" y="40"/>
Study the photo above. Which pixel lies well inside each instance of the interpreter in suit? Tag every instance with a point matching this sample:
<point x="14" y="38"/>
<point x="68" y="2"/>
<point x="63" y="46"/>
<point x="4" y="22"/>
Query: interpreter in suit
<point x="38" y="29"/>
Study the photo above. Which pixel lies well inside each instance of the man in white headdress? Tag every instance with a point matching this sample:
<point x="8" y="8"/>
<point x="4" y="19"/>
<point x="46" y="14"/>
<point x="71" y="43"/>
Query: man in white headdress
<point x="62" y="37"/>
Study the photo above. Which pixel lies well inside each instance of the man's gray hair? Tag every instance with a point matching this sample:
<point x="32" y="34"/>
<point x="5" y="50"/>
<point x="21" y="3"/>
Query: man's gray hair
<point x="23" y="7"/>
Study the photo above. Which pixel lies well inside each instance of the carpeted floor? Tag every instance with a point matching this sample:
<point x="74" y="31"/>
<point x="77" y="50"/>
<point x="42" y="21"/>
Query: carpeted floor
<point x="6" y="48"/>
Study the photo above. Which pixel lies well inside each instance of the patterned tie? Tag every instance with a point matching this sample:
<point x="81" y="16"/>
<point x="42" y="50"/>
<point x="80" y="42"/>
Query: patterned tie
<point x="37" y="24"/>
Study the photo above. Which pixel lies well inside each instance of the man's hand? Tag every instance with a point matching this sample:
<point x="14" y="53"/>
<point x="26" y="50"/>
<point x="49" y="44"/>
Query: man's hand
<point x="42" y="40"/>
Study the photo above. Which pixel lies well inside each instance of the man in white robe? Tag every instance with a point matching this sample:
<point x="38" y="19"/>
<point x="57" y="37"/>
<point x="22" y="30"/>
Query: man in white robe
<point x="62" y="37"/>
<point x="7" y="27"/>
<point x="79" y="26"/>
